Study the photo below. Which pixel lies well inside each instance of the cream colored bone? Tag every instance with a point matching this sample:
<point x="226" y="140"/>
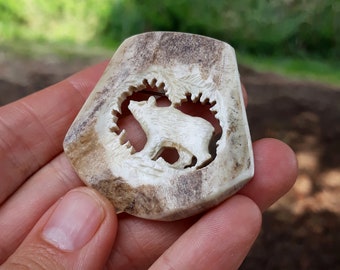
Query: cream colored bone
<point x="169" y="127"/>
<point x="184" y="67"/>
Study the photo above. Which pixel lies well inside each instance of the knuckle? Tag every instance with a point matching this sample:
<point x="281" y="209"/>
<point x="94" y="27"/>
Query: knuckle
<point x="34" y="257"/>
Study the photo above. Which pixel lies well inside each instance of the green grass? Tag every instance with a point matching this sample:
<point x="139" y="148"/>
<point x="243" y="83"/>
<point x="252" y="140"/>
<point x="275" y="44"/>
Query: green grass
<point x="71" y="28"/>
<point x="324" y="71"/>
<point x="63" y="50"/>
<point x="51" y="21"/>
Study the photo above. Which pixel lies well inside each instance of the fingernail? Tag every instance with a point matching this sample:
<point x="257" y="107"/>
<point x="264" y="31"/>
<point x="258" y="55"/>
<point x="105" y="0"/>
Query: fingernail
<point x="74" y="222"/>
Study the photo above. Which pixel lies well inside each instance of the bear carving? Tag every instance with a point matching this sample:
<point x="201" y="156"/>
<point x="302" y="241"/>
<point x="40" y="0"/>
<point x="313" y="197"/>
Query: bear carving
<point x="169" y="127"/>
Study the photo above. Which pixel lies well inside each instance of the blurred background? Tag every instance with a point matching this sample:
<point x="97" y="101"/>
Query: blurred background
<point x="288" y="53"/>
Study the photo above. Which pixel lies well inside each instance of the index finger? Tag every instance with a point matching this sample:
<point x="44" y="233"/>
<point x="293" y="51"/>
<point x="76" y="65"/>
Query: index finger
<point x="32" y="129"/>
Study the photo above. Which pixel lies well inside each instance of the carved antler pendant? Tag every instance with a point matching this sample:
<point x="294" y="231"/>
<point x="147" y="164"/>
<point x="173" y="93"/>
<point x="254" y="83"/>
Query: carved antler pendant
<point x="210" y="167"/>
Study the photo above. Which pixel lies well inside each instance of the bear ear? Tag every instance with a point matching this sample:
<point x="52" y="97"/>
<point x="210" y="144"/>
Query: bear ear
<point x="152" y="100"/>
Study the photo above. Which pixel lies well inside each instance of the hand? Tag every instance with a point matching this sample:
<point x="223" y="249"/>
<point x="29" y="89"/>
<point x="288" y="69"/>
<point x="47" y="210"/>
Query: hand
<point x="48" y="220"/>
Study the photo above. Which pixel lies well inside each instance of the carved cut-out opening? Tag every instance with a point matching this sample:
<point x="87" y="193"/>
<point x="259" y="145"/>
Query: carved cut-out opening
<point x="126" y="121"/>
<point x="193" y="163"/>
<point x="169" y="154"/>
<point x="135" y="135"/>
<point x="194" y="107"/>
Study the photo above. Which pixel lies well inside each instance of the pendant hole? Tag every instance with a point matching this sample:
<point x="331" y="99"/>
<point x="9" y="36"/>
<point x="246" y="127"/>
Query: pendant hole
<point x="169" y="154"/>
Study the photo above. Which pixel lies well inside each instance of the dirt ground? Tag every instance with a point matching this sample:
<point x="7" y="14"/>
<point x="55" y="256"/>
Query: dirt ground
<point x="302" y="230"/>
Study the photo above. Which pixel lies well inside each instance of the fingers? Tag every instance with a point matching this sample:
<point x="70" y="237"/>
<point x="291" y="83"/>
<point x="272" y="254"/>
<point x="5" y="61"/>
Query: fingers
<point x="219" y="240"/>
<point x="32" y="129"/>
<point x="76" y="233"/>
<point x="275" y="172"/>
<point x="245" y="95"/>
<point x="23" y="209"/>
<point x="140" y="242"/>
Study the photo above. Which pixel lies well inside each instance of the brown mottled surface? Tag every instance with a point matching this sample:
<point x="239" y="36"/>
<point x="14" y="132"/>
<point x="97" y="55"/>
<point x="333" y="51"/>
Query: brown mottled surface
<point x="302" y="230"/>
<point x="138" y="201"/>
<point x="185" y="63"/>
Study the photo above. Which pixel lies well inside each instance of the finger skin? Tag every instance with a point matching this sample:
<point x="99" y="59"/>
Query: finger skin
<point x="245" y="95"/>
<point x="276" y="170"/>
<point x="275" y="173"/>
<point x="219" y="240"/>
<point x="38" y="253"/>
<point x="139" y="241"/>
<point x="32" y="129"/>
<point x="23" y="209"/>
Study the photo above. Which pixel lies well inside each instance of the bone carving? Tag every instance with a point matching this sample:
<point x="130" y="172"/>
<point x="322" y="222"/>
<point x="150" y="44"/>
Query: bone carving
<point x="190" y="137"/>
<point x="183" y="67"/>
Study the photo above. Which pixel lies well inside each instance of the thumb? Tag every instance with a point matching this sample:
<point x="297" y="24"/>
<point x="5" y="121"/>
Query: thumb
<point x="77" y="232"/>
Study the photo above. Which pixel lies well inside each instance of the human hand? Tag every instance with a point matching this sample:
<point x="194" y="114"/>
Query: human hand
<point x="48" y="220"/>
